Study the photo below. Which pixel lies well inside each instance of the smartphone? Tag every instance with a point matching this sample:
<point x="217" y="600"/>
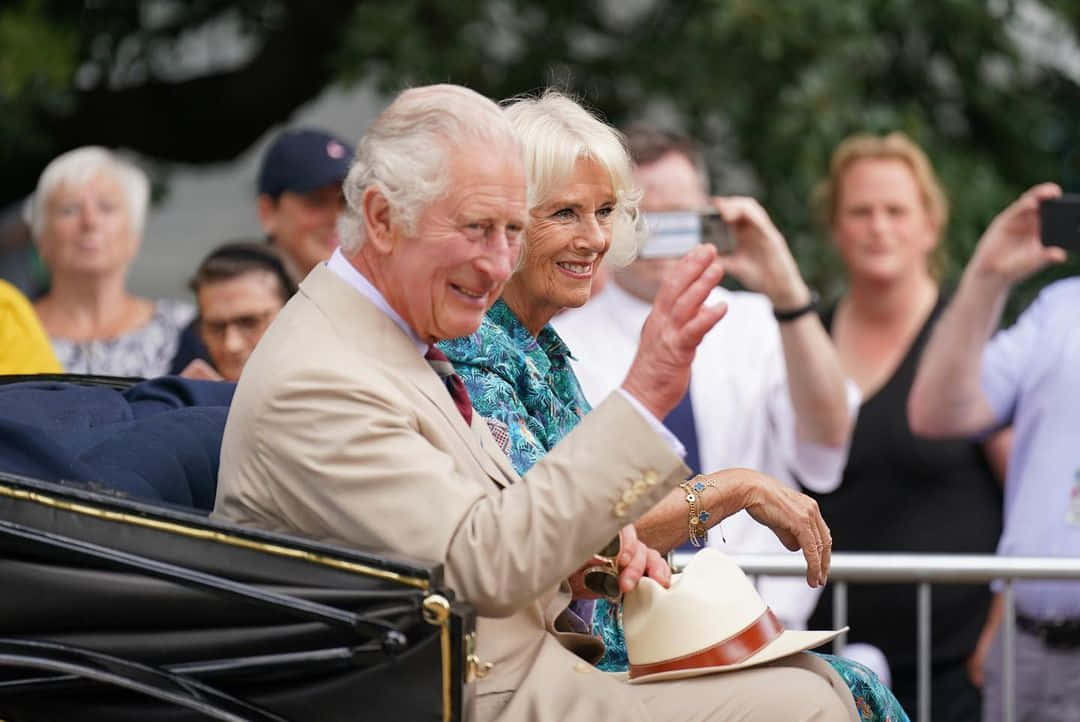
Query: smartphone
<point x="674" y="234"/>
<point x="1060" y="222"/>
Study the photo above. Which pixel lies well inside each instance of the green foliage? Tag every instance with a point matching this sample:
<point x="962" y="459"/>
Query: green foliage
<point x="36" y="67"/>
<point x="769" y="86"/>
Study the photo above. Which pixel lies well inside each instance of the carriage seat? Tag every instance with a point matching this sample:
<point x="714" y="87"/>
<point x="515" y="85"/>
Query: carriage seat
<point x="158" y="440"/>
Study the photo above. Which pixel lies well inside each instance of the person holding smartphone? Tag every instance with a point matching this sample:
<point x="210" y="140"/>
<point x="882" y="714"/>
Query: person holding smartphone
<point x="971" y="381"/>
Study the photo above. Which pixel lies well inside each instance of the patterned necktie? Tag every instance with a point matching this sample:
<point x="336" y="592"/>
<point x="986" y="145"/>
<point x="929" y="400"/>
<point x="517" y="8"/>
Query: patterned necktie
<point x="442" y="366"/>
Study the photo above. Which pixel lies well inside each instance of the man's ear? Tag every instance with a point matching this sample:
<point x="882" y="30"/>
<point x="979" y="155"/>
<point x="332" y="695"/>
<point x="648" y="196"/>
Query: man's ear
<point x="378" y="230"/>
<point x="266" y="207"/>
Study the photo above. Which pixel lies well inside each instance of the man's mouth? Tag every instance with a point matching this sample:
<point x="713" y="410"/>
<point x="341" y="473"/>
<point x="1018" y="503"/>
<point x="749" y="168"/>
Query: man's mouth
<point x="470" y="292"/>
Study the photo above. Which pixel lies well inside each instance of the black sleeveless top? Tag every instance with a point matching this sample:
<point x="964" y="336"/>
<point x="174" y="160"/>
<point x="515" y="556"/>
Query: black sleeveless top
<point x="902" y="493"/>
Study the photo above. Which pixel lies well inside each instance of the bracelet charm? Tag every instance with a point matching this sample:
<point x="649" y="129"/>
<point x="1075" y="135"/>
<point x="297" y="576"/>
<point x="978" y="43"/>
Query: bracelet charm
<point x="698" y="517"/>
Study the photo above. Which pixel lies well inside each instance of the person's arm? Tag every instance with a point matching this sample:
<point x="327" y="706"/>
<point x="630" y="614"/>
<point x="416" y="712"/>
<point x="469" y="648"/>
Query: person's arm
<point x="348" y="460"/>
<point x="947" y="398"/>
<point x="24" y="346"/>
<point x="977" y="659"/>
<point x="997" y="447"/>
<point x="816" y="383"/>
<point x="792" y="516"/>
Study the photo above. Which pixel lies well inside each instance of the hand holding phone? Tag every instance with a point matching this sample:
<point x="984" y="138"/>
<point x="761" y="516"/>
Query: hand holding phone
<point x="1059" y="221"/>
<point x="674" y="234"/>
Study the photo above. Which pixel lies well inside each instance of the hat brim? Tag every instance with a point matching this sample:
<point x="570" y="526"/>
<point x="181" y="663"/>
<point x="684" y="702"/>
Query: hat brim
<point x="789" y="642"/>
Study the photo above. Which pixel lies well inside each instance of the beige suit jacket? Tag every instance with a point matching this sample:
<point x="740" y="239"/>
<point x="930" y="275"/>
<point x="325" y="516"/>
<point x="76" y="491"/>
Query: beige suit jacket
<point x="339" y="430"/>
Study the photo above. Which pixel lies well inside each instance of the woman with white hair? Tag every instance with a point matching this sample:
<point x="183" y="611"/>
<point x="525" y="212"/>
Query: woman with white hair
<point x="87" y="217"/>
<point x="582" y="210"/>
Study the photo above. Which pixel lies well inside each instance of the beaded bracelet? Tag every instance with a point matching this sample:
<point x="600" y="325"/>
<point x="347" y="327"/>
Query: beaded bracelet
<point x="697" y="521"/>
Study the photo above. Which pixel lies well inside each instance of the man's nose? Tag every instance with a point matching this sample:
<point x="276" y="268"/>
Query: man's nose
<point x="234" y="340"/>
<point x="879" y="221"/>
<point x="499" y="260"/>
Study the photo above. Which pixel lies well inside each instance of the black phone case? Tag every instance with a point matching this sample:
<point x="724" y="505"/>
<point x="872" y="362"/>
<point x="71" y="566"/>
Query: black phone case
<point x="1060" y="221"/>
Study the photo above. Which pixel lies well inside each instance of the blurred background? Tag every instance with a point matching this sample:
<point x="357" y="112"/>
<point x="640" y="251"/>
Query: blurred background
<point x="195" y="90"/>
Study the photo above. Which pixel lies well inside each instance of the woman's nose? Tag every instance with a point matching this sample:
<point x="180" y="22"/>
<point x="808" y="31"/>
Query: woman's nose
<point x="89" y="214"/>
<point x="879" y="221"/>
<point x="593" y="236"/>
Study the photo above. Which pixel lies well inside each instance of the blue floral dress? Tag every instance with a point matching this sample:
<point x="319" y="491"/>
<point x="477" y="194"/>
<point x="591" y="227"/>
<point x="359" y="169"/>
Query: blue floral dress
<point x="524" y="386"/>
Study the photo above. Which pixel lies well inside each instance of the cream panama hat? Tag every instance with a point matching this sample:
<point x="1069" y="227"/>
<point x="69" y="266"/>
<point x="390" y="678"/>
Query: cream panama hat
<point x="710" y="620"/>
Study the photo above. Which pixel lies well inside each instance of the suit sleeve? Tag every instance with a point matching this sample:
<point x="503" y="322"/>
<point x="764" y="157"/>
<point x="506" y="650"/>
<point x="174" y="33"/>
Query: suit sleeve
<point x="345" y="459"/>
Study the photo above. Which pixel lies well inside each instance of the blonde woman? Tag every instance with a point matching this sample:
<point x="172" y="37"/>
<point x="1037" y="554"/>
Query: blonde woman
<point x="887" y="214"/>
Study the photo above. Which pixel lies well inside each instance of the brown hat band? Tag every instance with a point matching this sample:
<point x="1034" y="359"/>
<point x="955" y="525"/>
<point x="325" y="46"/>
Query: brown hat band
<point x="732" y="650"/>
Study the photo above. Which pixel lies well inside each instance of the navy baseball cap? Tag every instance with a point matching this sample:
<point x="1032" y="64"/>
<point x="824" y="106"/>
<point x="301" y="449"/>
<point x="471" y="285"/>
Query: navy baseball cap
<point x="302" y="161"/>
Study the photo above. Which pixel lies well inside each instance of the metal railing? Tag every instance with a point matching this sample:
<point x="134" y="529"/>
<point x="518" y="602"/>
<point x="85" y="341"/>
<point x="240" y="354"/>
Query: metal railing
<point x="923" y="570"/>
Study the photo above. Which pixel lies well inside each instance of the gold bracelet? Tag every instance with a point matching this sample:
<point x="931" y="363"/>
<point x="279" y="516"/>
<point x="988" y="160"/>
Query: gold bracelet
<point x="697" y="520"/>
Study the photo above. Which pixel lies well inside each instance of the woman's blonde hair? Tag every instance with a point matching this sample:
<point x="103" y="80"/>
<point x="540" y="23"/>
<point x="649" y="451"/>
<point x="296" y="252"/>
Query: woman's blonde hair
<point x="894" y="146"/>
<point x="556" y="132"/>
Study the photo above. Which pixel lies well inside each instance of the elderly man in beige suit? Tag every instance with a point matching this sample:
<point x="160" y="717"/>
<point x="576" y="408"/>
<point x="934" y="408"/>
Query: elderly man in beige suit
<point x="342" y="430"/>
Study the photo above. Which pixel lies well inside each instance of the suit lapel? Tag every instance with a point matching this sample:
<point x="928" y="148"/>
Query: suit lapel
<point x="360" y="322"/>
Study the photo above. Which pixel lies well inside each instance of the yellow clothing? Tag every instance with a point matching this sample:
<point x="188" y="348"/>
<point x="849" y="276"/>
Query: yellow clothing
<point x="24" y="346"/>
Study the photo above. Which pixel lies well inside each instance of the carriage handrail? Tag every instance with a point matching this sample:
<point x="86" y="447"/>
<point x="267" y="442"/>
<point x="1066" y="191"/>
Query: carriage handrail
<point x="904" y="567"/>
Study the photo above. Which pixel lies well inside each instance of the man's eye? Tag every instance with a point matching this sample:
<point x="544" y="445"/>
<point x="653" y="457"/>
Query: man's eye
<point x="247" y="323"/>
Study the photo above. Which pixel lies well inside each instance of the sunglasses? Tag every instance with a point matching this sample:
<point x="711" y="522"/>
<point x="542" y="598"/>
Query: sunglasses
<point x="602" y="578"/>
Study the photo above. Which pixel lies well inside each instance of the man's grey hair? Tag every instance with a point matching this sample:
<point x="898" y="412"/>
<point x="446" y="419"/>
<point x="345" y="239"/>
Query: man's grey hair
<point x="405" y="151"/>
<point x="76" y="168"/>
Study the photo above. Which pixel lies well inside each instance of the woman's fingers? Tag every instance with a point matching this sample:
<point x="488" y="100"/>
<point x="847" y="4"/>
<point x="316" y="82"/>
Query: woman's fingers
<point x="826" y="542"/>
<point x="689" y="269"/>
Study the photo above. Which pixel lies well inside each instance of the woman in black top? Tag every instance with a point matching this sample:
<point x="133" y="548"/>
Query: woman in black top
<point x="887" y="212"/>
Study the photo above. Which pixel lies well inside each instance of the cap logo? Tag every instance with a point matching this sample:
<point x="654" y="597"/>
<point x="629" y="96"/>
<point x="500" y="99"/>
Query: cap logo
<point x="335" y="150"/>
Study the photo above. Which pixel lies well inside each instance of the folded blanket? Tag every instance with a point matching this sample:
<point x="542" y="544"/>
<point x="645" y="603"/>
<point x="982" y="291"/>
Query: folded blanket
<point x="159" y="440"/>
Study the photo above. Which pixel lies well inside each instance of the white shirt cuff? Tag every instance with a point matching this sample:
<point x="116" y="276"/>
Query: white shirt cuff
<point x="659" y="428"/>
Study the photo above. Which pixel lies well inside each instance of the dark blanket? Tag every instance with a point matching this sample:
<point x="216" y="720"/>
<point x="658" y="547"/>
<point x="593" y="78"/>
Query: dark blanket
<point x="159" y="440"/>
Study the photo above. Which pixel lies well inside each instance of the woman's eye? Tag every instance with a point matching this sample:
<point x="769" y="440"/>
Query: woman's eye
<point x="564" y="214"/>
<point x="605" y="212"/>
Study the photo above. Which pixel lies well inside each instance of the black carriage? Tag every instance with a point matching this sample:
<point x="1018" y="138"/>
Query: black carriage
<point x="116" y="608"/>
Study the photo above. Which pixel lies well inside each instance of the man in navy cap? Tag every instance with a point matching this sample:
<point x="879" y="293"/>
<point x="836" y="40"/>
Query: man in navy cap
<point x="300" y="195"/>
<point x="298" y="204"/>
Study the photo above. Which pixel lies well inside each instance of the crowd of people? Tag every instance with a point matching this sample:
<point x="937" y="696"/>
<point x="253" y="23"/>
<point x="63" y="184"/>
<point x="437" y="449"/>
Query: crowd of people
<point x="455" y="343"/>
